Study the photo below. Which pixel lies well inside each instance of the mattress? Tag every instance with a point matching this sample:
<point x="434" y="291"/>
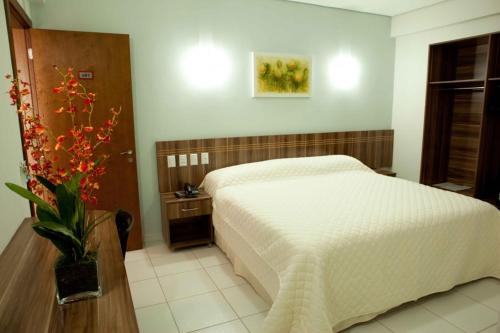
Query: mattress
<point x="332" y="243"/>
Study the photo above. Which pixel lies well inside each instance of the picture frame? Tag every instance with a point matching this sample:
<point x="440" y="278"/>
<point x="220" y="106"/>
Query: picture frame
<point x="281" y="75"/>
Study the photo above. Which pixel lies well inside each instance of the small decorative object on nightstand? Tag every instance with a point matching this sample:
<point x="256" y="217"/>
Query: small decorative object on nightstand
<point x="385" y="172"/>
<point x="187" y="221"/>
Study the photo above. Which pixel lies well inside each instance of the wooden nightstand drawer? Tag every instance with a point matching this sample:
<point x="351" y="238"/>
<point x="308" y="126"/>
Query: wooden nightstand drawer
<point x="185" y="209"/>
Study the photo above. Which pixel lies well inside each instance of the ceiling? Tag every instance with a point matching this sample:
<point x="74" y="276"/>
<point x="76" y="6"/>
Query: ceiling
<point x="381" y="7"/>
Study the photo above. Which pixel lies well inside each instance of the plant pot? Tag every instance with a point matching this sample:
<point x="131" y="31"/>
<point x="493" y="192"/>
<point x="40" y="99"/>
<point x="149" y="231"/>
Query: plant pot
<point x="77" y="280"/>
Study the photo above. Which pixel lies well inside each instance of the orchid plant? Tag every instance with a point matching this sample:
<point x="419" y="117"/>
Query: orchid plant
<point x="59" y="185"/>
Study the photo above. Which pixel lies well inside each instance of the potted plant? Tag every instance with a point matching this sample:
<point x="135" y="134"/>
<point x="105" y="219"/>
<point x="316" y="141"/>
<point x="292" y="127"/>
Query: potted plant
<point x="62" y="172"/>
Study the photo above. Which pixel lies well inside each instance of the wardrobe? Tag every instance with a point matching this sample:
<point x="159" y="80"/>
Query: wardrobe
<point x="461" y="146"/>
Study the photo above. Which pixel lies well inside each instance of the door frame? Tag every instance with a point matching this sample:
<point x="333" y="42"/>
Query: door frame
<point x="14" y="10"/>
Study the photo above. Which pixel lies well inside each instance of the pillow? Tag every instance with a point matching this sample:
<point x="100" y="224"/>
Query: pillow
<point x="279" y="169"/>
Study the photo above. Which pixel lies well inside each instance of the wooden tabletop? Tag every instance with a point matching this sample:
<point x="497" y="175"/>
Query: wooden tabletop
<point x="28" y="292"/>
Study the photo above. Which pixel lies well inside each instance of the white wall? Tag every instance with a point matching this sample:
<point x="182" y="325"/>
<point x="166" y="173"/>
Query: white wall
<point x="13" y="209"/>
<point x="410" y="75"/>
<point x="167" y="108"/>
<point x="26" y="4"/>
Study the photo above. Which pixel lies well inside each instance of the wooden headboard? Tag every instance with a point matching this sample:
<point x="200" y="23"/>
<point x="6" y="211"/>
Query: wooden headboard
<point x="373" y="148"/>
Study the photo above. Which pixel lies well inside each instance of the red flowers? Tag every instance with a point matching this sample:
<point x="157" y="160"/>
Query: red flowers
<point x="72" y="83"/>
<point x="39" y="129"/>
<point x="103" y="138"/>
<point x="71" y="109"/>
<point x="80" y="142"/>
<point x="24" y="107"/>
<point x="57" y="90"/>
<point x="82" y="167"/>
<point x="59" y="142"/>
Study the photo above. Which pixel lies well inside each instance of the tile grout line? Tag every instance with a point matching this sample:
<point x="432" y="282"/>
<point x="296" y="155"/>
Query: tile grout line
<point x="475" y="300"/>
<point x="186" y="297"/>
<point x="147" y="306"/>
<point x="164" y="296"/>
<point x="199" y="329"/>
<point x="236" y="285"/>
<point x="164" y="275"/>
<point x="495" y="324"/>
<point x="133" y="260"/>
<point x="170" y="274"/>
<point x="220" y="290"/>
<point x="382" y="324"/>
<point x="190" y="271"/>
<point x="142" y="280"/>
<point x="223" y="296"/>
<point x="203" y="268"/>
<point x="179" y="273"/>
<point x="243" y="322"/>
<point x="440" y="317"/>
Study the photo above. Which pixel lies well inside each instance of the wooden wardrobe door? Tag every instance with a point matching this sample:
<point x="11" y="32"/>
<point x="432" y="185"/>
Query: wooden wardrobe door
<point x="108" y="57"/>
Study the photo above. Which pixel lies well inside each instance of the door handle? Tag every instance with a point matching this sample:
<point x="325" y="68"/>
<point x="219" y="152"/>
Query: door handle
<point x="127" y="152"/>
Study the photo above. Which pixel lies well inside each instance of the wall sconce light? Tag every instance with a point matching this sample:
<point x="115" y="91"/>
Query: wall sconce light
<point x="206" y="66"/>
<point x="344" y="71"/>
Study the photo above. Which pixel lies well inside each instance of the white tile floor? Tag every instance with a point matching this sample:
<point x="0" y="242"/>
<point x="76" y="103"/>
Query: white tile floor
<point x="196" y="290"/>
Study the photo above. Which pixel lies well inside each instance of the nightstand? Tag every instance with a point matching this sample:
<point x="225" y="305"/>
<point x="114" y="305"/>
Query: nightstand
<point x="187" y="221"/>
<point x="385" y="172"/>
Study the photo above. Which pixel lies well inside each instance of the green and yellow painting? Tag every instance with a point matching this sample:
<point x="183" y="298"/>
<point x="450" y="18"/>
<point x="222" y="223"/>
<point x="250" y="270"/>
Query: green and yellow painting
<point x="282" y="75"/>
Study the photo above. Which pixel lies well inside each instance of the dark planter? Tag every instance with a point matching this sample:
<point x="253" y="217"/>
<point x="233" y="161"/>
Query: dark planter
<point x="77" y="280"/>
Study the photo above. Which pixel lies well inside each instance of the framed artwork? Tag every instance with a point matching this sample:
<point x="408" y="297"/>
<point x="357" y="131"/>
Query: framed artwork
<point x="281" y="75"/>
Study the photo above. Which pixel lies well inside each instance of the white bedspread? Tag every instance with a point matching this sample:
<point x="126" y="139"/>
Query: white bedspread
<point x="347" y="243"/>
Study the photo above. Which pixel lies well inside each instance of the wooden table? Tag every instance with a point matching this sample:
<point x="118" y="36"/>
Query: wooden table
<point x="28" y="293"/>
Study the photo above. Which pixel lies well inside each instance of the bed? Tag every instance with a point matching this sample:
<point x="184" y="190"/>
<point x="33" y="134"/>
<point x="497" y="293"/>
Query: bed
<point x="331" y="243"/>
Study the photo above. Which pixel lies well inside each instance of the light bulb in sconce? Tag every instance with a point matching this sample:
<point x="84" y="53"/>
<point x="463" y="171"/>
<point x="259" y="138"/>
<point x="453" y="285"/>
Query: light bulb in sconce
<point x="344" y="72"/>
<point x="206" y="66"/>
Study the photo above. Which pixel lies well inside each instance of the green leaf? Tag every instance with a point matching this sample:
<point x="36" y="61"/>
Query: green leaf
<point x="79" y="217"/>
<point x="48" y="185"/>
<point x="59" y="229"/>
<point x="66" y="205"/>
<point x="31" y="197"/>
<point x="45" y="215"/>
<point x="91" y="227"/>
<point x="74" y="184"/>
<point x="64" y="245"/>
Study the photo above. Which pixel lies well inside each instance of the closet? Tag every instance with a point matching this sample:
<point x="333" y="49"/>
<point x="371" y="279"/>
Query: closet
<point x="461" y="147"/>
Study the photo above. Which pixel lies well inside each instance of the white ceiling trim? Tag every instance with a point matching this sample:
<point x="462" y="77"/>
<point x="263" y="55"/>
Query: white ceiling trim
<point x="379" y="7"/>
<point x="444" y="14"/>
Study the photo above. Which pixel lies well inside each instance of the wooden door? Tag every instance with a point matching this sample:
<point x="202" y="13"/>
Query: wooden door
<point x="107" y="56"/>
